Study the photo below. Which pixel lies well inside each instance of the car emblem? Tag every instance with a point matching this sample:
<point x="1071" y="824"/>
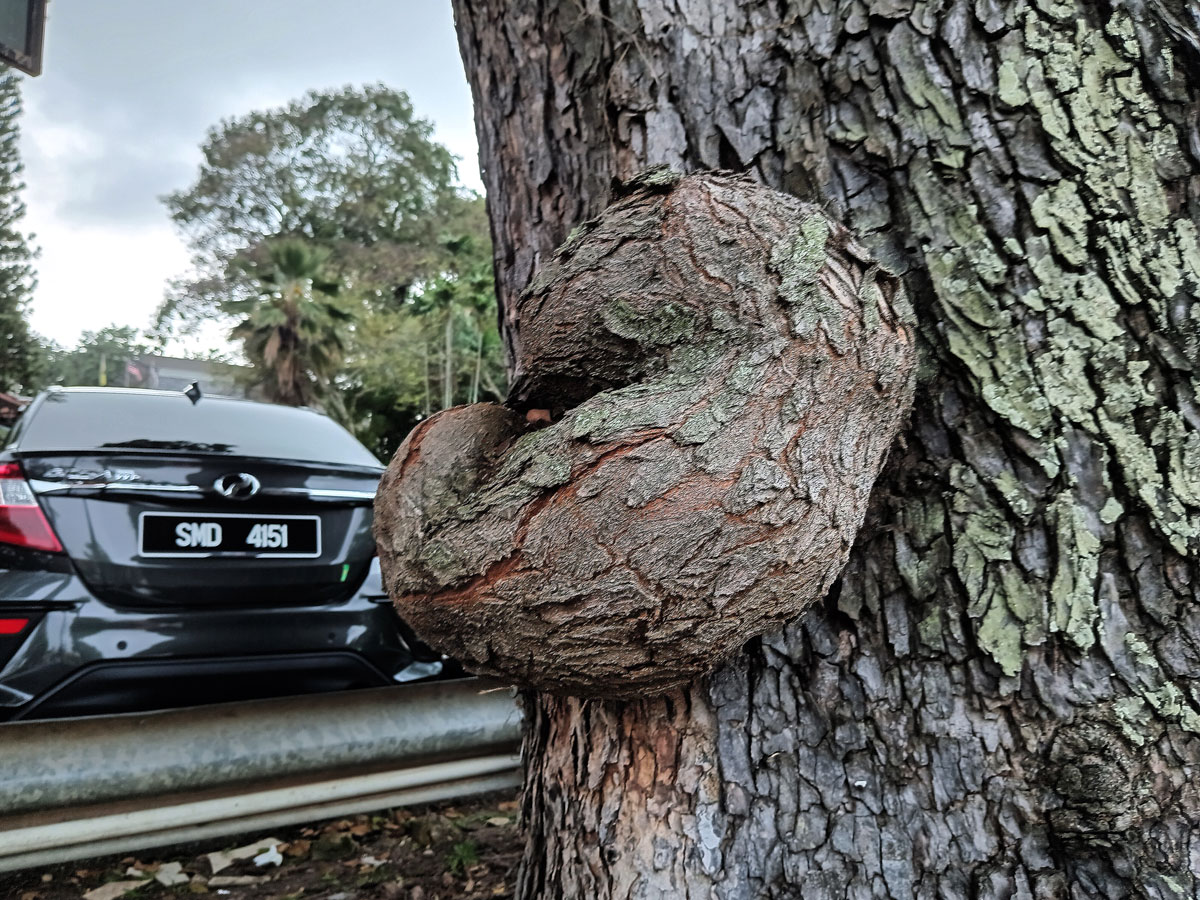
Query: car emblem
<point x="237" y="486"/>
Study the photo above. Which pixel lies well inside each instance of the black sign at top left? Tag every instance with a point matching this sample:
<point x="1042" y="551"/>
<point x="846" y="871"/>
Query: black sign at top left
<point x="22" y="32"/>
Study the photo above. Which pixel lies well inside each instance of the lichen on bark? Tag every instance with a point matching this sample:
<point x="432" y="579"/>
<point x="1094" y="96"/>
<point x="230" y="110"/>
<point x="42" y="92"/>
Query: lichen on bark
<point x="729" y="370"/>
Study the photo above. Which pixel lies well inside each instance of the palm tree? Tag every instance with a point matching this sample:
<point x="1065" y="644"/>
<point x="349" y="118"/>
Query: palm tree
<point x="293" y="333"/>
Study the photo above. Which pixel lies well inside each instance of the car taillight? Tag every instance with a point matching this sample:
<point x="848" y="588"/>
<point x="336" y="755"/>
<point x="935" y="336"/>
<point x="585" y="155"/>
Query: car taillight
<point x="22" y="522"/>
<point x="15" y="628"/>
<point x="12" y="626"/>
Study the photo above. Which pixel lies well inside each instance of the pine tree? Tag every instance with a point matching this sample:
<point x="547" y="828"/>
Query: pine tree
<point x="18" y="351"/>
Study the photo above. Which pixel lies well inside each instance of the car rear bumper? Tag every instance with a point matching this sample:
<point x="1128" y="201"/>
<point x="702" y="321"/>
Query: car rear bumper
<point x="145" y="684"/>
<point x="86" y="657"/>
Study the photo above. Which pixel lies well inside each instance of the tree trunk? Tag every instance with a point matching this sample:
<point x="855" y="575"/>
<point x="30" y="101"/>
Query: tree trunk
<point x="448" y="361"/>
<point x="478" y="364"/>
<point x="428" y="379"/>
<point x="999" y="698"/>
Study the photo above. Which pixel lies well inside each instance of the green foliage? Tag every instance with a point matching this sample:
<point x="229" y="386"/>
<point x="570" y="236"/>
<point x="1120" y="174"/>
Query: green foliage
<point x="21" y="359"/>
<point x="294" y="331"/>
<point x="439" y="349"/>
<point x="356" y="179"/>
<point x="353" y="171"/>
<point x="462" y="856"/>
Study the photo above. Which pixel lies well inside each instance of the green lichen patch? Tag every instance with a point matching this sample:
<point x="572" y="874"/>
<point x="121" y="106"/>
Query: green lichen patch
<point x="658" y="326"/>
<point x="1048" y="323"/>
<point x="922" y="552"/>
<point x="1073" y="589"/>
<point x="661" y="178"/>
<point x="798" y="263"/>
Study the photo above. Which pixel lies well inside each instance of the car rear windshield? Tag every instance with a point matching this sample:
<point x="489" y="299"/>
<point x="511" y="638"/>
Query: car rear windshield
<point x="140" y="421"/>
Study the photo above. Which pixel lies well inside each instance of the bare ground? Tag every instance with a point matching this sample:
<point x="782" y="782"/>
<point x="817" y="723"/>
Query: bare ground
<point x="466" y="850"/>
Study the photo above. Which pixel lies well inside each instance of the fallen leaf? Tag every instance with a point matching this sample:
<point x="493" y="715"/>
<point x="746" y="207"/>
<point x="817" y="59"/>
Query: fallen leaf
<point x="236" y="880"/>
<point x="499" y="821"/>
<point x="224" y="859"/>
<point x="170" y="874"/>
<point x="360" y="830"/>
<point x="112" y="890"/>
<point x="299" y="847"/>
<point x="507" y="806"/>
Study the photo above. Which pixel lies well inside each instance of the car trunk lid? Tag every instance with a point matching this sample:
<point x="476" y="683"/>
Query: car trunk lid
<point x="140" y="530"/>
<point x="162" y="499"/>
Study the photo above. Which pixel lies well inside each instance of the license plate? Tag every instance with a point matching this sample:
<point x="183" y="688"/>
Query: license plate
<point x="228" y="534"/>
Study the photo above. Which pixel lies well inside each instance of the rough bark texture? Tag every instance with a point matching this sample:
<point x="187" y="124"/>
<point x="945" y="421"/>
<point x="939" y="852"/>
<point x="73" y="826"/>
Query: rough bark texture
<point x="733" y="369"/>
<point x="1000" y="698"/>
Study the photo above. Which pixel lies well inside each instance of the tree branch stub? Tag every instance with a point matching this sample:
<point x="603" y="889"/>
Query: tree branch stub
<point x="725" y="369"/>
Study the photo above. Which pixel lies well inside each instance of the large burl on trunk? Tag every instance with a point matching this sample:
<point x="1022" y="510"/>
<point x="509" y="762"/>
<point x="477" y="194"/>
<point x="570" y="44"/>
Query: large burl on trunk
<point x="727" y="370"/>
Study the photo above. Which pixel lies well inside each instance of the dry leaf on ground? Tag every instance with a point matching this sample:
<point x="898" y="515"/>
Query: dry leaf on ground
<point x="112" y="890"/>
<point x="224" y="859"/>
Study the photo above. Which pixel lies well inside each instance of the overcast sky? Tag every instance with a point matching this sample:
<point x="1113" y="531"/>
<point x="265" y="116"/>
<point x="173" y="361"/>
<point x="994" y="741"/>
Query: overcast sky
<point x="131" y="86"/>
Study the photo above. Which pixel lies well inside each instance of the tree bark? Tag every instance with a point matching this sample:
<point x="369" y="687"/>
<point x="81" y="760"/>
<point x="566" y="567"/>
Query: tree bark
<point x="999" y="698"/>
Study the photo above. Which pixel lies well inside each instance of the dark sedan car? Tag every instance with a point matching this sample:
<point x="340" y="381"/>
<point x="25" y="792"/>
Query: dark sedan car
<point x="156" y="551"/>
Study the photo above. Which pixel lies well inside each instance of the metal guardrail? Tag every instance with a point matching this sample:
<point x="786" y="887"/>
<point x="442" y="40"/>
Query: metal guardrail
<point x="75" y="788"/>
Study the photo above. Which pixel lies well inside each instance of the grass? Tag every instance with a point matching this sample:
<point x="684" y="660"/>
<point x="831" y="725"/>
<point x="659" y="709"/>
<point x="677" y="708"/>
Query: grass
<point x="462" y="856"/>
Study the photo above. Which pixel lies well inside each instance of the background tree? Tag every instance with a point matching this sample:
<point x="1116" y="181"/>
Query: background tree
<point x="458" y="309"/>
<point x="438" y="348"/>
<point x="385" y="379"/>
<point x="355" y="175"/>
<point x="352" y="171"/>
<point x="293" y="334"/>
<point x="21" y="360"/>
<point x="999" y="698"/>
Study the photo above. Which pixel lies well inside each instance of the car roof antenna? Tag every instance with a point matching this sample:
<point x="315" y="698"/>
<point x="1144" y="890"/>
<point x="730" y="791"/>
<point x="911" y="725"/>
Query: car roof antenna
<point x="193" y="392"/>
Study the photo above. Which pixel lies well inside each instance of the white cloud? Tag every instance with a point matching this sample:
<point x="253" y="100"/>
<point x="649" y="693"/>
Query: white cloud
<point x="93" y="275"/>
<point x="130" y="87"/>
<point x="91" y="272"/>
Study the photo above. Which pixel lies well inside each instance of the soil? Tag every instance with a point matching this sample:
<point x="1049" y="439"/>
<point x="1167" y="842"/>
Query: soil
<point x="466" y="850"/>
